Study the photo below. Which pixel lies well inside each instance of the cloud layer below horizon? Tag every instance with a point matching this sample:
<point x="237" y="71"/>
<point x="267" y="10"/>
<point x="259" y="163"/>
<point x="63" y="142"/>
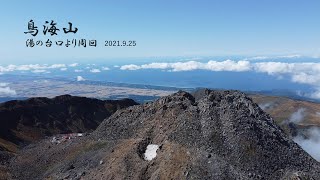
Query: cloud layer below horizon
<point x="299" y="72"/>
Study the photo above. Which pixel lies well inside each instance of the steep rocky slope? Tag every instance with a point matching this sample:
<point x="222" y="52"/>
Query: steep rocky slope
<point x="29" y="120"/>
<point x="208" y="135"/>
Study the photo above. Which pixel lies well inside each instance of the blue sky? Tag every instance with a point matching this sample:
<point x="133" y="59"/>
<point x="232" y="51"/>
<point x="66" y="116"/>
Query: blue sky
<point x="165" y="28"/>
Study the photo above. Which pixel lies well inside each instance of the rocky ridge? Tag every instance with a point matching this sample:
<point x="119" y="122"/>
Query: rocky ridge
<point x="205" y="135"/>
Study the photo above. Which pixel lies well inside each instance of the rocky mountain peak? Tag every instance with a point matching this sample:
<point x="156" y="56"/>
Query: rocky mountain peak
<point x="226" y="134"/>
<point x="205" y="135"/>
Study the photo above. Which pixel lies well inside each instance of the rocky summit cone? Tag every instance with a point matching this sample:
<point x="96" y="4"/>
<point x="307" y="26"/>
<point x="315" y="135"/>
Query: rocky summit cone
<point x="205" y="135"/>
<point x="210" y="135"/>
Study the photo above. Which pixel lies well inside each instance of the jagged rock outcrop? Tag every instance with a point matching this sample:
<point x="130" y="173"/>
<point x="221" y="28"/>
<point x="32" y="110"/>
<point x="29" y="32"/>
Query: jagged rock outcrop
<point x="29" y="120"/>
<point x="207" y="135"/>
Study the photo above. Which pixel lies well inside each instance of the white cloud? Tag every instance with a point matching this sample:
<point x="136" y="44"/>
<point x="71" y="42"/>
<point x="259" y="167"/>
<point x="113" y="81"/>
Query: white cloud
<point x="308" y="138"/>
<point x="63" y="69"/>
<point x="130" y="67"/>
<point x="301" y="72"/>
<point x="273" y="68"/>
<point x="105" y="68"/>
<point x="30" y="67"/>
<point x="311" y="144"/>
<point x="6" y="91"/>
<point x="227" y="65"/>
<point x="305" y="78"/>
<point x="266" y="106"/>
<point x="73" y="65"/>
<point x="54" y="66"/>
<point x="95" y="70"/>
<point x="315" y="94"/>
<point x="297" y="116"/>
<point x="80" y="78"/>
<point x="285" y="68"/>
<point x="3" y="84"/>
<point x="40" y="71"/>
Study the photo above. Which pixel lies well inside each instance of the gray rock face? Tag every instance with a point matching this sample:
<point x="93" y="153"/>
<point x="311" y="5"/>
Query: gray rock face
<point x="225" y="133"/>
<point x="207" y="135"/>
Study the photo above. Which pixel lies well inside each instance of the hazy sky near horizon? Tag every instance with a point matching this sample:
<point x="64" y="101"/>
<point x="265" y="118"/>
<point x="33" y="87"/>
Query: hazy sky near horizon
<point x="163" y="28"/>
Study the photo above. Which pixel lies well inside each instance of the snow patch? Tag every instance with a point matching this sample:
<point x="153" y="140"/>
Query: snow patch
<point x="151" y="152"/>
